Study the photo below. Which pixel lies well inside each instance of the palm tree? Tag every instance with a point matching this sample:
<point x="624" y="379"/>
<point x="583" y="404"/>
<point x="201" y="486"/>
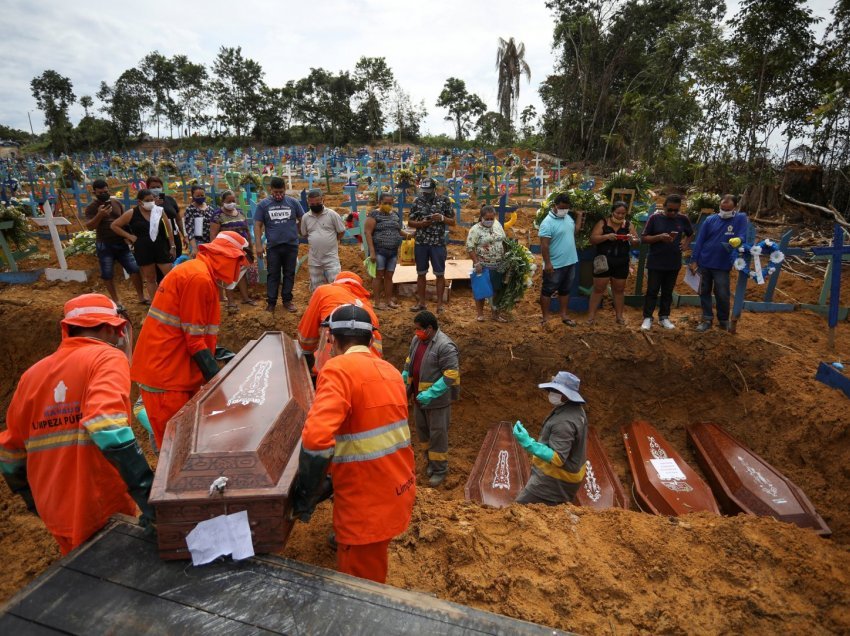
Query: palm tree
<point x="511" y="64"/>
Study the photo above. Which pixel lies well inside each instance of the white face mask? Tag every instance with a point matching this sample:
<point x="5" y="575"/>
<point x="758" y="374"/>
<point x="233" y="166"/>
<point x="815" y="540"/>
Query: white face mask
<point x="236" y="282"/>
<point x="560" y="213"/>
<point x="147" y="205"/>
<point x="229" y="206"/>
<point x="554" y="398"/>
<point x="487" y="223"/>
<point x="726" y="214"/>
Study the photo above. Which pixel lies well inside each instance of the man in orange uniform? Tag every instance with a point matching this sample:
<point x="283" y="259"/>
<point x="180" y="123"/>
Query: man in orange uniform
<point x="68" y="448"/>
<point x="358" y="426"/>
<point x="174" y="352"/>
<point x="346" y="289"/>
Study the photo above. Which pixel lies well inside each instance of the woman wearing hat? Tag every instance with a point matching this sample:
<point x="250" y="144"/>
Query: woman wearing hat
<point x="560" y="453"/>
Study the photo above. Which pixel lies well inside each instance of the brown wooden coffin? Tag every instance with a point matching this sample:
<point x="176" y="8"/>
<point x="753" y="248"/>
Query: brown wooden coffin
<point x="647" y="450"/>
<point x="501" y="469"/>
<point x="245" y="425"/>
<point x="744" y="482"/>
<point x="601" y="487"/>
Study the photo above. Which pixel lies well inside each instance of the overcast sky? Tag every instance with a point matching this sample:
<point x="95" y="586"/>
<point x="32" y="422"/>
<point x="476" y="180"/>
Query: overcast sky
<point x="424" y="42"/>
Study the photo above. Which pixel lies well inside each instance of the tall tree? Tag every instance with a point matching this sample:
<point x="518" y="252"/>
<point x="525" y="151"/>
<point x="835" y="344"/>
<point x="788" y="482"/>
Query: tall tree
<point x="511" y="64"/>
<point x="192" y="93"/>
<point x="274" y="115"/>
<point x="54" y="94"/>
<point x="237" y="88"/>
<point x="375" y="79"/>
<point x="161" y="73"/>
<point x="405" y="115"/>
<point x="464" y="107"/>
<point x="86" y="102"/>
<point x="324" y="104"/>
<point x="126" y="103"/>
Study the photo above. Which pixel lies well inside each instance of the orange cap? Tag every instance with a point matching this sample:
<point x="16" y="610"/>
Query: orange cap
<point x="348" y="277"/>
<point x="228" y="244"/>
<point x="90" y="310"/>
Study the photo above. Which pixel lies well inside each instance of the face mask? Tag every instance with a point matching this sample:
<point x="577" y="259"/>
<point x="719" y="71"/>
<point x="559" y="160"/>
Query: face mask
<point x="103" y="196"/>
<point x="385" y="208"/>
<point x="422" y="334"/>
<point x="156" y="191"/>
<point x="236" y="282"/>
<point x="672" y="211"/>
<point x="560" y="213"/>
<point x="487" y="223"/>
<point x="199" y="200"/>
<point x="726" y="214"/>
<point x="554" y="398"/>
<point x="277" y="196"/>
<point x="316" y="209"/>
<point x="229" y="206"/>
<point x="147" y="205"/>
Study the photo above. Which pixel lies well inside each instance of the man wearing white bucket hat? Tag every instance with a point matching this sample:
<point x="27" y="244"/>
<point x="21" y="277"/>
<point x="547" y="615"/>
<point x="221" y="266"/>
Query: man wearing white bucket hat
<point x="560" y="454"/>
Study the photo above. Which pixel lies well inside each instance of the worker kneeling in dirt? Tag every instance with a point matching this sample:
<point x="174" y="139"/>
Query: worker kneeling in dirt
<point x="174" y="355"/>
<point x="559" y="456"/>
<point x="432" y="375"/>
<point x="68" y="449"/>
<point x="357" y="426"/>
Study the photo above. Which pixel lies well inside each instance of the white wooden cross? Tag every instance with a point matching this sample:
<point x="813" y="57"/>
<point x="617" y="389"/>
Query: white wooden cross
<point x="63" y="273"/>
<point x="288" y="177"/>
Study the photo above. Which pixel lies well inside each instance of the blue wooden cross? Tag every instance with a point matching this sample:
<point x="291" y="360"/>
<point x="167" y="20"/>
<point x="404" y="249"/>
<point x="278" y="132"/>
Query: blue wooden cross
<point x="836" y="254"/>
<point x="456" y="195"/>
<point x="76" y="190"/>
<point x="503" y="208"/>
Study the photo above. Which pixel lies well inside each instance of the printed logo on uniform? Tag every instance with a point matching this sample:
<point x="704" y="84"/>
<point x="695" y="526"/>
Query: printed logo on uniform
<point x="60" y="392"/>
<point x="729" y="228"/>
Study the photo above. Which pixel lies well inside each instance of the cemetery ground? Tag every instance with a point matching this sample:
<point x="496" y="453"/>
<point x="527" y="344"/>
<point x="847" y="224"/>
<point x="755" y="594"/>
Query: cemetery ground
<point x="592" y="572"/>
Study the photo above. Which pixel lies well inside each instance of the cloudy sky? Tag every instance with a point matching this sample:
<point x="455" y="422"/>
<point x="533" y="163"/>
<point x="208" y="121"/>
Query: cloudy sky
<point x="423" y="42"/>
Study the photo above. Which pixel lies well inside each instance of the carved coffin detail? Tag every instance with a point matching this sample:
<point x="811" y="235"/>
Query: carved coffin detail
<point x="744" y="482"/>
<point x="501" y="469"/>
<point x="647" y="450"/>
<point x="244" y="425"/>
<point x="601" y="487"/>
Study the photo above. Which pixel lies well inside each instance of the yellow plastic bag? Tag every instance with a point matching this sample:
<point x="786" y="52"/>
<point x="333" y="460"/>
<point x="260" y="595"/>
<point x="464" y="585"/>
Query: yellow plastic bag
<point x="406" y="255"/>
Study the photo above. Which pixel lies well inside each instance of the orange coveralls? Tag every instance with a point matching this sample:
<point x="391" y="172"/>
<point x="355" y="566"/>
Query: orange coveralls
<point x="183" y="319"/>
<point x="61" y="402"/>
<point x="360" y="416"/>
<point x="345" y="290"/>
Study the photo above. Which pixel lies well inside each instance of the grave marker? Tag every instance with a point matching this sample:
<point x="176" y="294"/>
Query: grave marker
<point x="63" y="273"/>
<point x="836" y="254"/>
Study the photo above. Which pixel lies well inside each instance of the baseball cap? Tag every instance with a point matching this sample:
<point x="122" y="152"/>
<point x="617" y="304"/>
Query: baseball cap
<point x="427" y="184"/>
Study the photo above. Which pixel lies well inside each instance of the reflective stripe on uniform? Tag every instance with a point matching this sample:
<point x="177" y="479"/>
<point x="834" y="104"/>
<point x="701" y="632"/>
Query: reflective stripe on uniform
<point x="452" y="375"/>
<point x="106" y="422"/>
<point x="199" y="330"/>
<point x="425" y="385"/>
<point x="56" y="440"/>
<point x="437" y="457"/>
<point x="359" y="447"/>
<point x="560" y="474"/>
<point x="164" y="318"/>
<point x="12" y="457"/>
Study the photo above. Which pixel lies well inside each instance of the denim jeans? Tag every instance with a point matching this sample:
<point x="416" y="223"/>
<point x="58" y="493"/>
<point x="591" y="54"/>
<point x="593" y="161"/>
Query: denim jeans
<point x="719" y="280"/>
<point x="281" y="259"/>
<point x="108" y="253"/>
<point x="663" y="281"/>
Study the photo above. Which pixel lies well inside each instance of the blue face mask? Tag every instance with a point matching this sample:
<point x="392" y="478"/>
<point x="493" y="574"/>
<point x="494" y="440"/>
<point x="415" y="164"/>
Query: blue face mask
<point x="199" y="200"/>
<point x="487" y="223"/>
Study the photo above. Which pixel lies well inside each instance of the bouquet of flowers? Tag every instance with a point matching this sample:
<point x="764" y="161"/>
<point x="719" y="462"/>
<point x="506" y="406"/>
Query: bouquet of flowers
<point x="82" y="243"/>
<point x="252" y="179"/>
<point x="519" y="275"/>
<point x="698" y="201"/>
<point x="403" y="175"/>
<point x="594" y="205"/>
<point x="623" y="179"/>
<point x="18" y="234"/>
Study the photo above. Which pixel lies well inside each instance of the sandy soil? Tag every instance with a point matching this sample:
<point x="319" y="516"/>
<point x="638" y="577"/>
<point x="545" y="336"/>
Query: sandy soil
<point x="592" y="572"/>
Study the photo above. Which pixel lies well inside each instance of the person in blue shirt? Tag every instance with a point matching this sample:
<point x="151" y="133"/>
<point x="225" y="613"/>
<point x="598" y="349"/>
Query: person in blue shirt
<point x="279" y="215"/>
<point x="712" y="257"/>
<point x="558" y="246"/>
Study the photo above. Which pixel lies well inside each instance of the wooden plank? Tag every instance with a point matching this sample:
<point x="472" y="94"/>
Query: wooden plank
<point x="455" y="270"/>
<point x="76" y="603"/>
<point x="831" y="376"/>
<point x="279" y="595"/>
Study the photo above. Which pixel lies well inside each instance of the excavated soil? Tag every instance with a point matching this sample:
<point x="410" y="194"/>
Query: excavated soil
<point x="567" y="567"/>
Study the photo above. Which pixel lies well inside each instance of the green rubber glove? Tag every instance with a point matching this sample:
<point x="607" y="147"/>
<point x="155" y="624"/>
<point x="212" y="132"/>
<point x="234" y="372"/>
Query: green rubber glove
<point x="527" y="442"/>
<point x="405" y="376"/>
<point x="433" y="392"/>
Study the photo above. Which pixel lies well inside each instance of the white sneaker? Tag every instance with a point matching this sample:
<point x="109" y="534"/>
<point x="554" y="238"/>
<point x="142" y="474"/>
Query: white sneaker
<point x="646" y="325"/>
<point x="665" y="322"/>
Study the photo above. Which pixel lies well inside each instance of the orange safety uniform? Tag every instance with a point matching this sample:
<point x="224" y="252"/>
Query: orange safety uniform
<point x="60" y="406"/>
<point x="183" y="320"/>
<point x="360" y="416"/>
<point x="347" y="289"/>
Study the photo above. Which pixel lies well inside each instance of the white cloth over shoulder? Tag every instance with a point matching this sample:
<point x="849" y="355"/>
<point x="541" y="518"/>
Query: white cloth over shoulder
<point x="156" y="215"/>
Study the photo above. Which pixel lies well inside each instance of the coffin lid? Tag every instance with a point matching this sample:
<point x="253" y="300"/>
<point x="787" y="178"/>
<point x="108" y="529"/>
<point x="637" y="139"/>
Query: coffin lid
<point x="501" y="469"/>
<point x="601" y="487"/>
